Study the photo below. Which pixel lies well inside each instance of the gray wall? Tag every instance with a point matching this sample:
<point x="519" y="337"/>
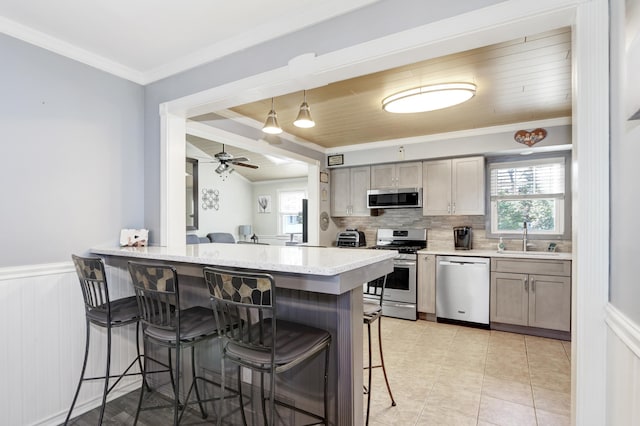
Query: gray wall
<point x="377" y="20"/>
<point x="72" y="162"/>
<point x="625" y="151"/>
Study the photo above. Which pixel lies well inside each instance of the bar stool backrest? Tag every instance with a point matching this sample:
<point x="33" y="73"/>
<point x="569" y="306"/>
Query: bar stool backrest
<point x="156" y="290"/>
<point x="249" y="297"/>
<point x="93" y="282"/>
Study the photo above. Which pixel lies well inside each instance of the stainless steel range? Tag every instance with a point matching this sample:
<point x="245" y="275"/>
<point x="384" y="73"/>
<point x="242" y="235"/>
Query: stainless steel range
<point x="400" y="294"/>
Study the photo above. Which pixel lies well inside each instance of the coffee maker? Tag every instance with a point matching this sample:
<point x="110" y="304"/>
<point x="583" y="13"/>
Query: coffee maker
<point x="462" y="237"/>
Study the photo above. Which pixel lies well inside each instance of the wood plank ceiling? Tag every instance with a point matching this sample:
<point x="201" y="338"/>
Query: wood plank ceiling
<point x="517" y="81"/>
<point x="521" y="80"/>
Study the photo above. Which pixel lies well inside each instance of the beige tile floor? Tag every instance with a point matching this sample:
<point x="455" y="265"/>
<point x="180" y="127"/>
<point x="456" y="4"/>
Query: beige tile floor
<point x="444" y="374"/>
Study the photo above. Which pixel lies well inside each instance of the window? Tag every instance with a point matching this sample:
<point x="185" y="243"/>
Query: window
<point x="532" y="191"/>
<point x="290" y="211"/>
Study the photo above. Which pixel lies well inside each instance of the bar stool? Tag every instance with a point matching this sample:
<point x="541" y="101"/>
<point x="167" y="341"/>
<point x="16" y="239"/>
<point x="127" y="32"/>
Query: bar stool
<point x="100" y="310"/>
<point x="372" y="309"/>
<point x="165" y="324"/>
<point x="260" y="342"/>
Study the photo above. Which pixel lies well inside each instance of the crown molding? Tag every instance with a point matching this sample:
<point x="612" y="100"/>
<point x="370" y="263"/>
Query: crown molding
<point x="69" y="50"/>
<point x="287" y="23"/>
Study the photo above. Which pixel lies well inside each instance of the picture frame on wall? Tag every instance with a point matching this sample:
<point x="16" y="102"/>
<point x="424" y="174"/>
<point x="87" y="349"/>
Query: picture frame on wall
<point x="264" y="203"/>
<point x="335" y="160"/>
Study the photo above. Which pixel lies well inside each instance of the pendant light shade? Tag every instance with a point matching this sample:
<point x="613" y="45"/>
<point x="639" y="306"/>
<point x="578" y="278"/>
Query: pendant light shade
<point x="429" y="98"/>
<point x="271" y="125"/>
<point x="304" y="119"/>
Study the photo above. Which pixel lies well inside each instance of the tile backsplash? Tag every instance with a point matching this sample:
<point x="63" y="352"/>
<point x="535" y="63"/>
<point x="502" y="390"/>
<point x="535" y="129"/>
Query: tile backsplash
<point x="439" y="229"/>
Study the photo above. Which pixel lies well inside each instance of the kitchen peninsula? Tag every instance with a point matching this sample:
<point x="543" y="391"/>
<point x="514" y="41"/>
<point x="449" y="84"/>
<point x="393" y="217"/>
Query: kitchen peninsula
<point x="316" y="286"/>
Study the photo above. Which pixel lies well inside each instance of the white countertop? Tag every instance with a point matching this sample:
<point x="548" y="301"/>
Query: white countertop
<point x="327" y="261"/>
<point x="507" y="253"/>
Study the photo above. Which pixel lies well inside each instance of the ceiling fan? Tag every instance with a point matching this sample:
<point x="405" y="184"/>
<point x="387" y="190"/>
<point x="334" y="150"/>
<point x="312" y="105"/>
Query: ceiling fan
<point x="226" y="160"/>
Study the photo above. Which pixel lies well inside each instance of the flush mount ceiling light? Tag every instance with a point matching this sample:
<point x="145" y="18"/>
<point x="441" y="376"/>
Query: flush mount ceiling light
<point x="429" y="98"/>
<point x="271" y="125"/>
<point x="304" y="119"/>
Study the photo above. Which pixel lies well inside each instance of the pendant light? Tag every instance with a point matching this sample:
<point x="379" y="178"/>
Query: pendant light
<point x="304" y="119"/>
<point x="271" y="125"/>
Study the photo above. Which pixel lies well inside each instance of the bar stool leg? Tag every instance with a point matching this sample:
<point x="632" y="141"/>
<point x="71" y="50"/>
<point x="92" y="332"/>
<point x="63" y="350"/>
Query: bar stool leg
<point x="384" y="370"/>
<point x="172" y="377"/>
<point x="222" y="387"/>
<point x="244" y="418"/>
<point x="195" y="383"/>
<point x="176" y="389"/>
<point x="264" y="400"/>
<point x="84" y="367"/>
<point x="144" y="382"/>
<point x="370" y="371"/>
<point x="106" y="376"/>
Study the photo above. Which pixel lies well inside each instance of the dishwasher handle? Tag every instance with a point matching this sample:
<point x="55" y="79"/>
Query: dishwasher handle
<point x="458" y="263"/>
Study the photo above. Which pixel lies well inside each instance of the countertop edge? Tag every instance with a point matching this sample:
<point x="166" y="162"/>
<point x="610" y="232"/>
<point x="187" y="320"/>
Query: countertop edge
<point x="169" y="254"/>
<point x="495" y="253"/>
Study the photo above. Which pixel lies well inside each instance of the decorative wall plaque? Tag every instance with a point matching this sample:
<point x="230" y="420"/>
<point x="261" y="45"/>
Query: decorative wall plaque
<point x="530" y="137"/>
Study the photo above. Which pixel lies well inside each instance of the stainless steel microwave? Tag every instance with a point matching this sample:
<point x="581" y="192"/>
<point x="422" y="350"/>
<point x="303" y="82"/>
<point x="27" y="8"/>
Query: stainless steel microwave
<point x="394" y="198"/>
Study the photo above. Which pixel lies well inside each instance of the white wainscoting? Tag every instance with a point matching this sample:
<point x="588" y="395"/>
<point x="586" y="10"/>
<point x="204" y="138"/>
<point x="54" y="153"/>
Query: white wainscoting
<point x="623" y="369"/>
<point x="42" y="326"/>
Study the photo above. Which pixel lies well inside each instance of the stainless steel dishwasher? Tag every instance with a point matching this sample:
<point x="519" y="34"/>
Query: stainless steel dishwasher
<point x="462" y="288"/>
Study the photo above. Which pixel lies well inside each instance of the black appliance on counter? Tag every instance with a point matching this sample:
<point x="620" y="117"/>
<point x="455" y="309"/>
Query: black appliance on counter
<point x="351" y="238"/>
<point x="462" y="237"/>
<point x="400" y="294"/>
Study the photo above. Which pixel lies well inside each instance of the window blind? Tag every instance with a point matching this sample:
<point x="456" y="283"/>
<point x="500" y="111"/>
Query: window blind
<point x="542" y="178"/>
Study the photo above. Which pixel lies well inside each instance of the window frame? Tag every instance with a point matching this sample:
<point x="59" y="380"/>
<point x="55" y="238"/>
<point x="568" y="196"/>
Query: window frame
<point x="282" y="214"/>
<point x="565" y="214"/>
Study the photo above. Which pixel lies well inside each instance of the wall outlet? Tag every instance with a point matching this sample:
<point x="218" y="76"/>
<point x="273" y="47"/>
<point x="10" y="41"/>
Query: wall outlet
<point x="246" y="375"/>
<point x="401" y="153"/>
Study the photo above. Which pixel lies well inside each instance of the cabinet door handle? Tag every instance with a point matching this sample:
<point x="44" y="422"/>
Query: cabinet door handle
<point x="533" y="285"/>
<point x="448" y="208"/>
<point x="526" y="284"/>
<point x="454" y="207"/>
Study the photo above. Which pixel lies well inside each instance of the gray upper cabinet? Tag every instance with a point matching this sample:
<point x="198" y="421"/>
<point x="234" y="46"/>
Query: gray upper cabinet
<point x="396" y="175"/>
<point x="349" y="191"/>
<point x="453" y="187"/>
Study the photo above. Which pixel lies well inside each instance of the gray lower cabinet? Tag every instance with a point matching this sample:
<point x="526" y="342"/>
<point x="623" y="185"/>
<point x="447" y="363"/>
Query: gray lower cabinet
<point x="534" y="293"/>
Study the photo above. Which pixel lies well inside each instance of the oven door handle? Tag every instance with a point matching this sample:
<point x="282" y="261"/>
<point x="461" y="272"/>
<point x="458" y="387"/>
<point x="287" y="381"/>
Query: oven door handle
<point x="406" y="263"/>
<point x="399" y="305"/>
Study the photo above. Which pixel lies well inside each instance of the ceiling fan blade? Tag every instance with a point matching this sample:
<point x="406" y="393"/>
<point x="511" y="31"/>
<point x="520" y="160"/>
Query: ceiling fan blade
<point x="251" y="166"/>
<point x="240" y="159"/>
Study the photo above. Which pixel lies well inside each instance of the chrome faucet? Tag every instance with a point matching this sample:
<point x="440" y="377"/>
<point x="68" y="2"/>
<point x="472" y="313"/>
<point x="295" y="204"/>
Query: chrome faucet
<point x="524" y="236"/>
